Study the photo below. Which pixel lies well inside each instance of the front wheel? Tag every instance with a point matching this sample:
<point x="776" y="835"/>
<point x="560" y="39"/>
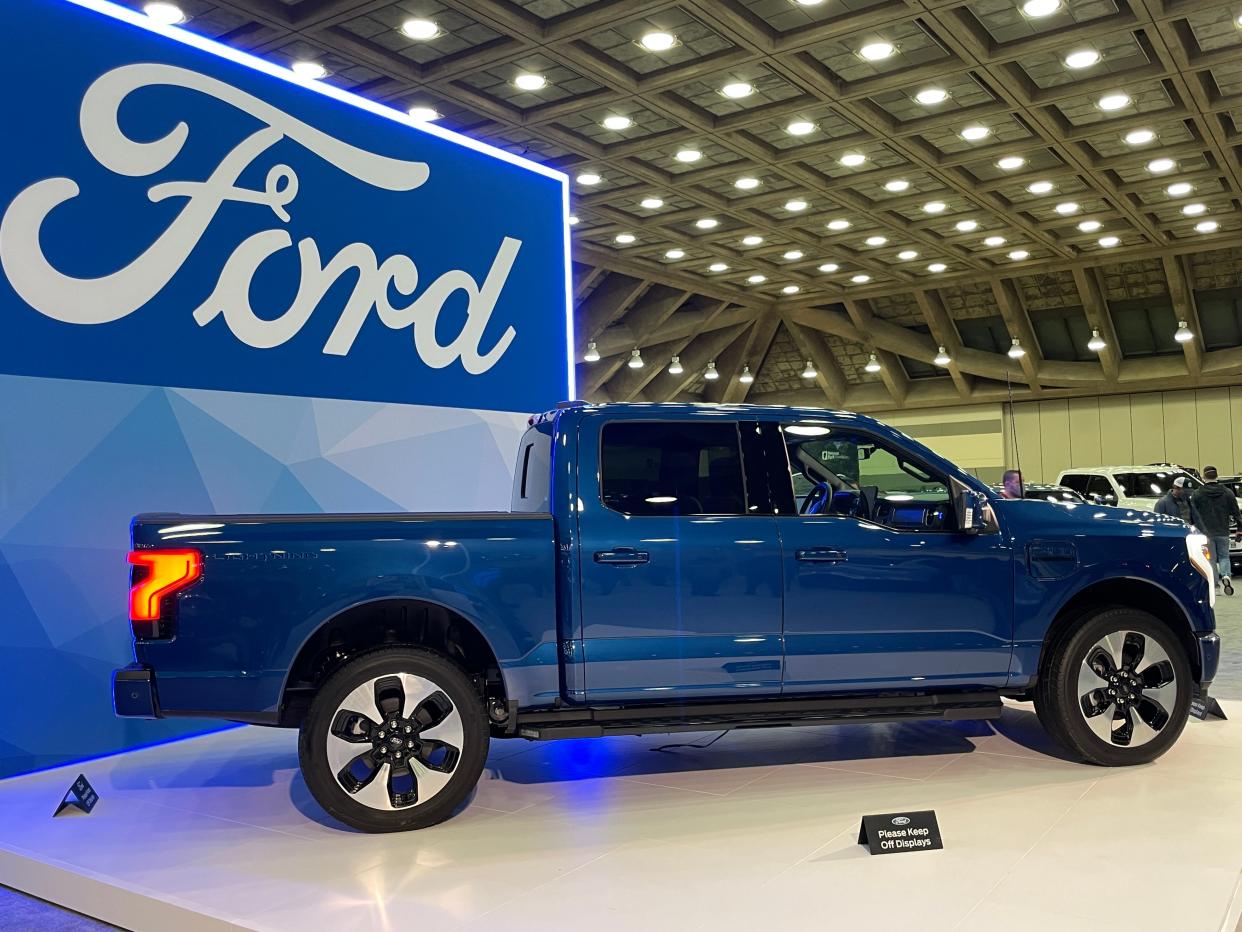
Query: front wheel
<point x="394" y="740"/>
<point x="1117" y="691"/>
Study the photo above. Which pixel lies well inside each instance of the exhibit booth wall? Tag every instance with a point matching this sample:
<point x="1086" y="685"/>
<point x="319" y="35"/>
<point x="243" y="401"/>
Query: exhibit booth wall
<point x="229" y="290"/>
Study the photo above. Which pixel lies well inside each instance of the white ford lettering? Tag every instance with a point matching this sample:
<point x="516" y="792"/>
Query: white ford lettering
<point x="114" y="296"/>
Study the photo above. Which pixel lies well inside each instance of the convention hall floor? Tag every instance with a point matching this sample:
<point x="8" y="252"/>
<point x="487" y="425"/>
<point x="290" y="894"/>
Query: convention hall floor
<point x="757" y="831"/>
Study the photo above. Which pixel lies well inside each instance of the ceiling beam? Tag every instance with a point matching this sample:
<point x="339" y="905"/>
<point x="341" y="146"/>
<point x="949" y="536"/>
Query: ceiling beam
<point x="1184" y="306"/>
<point x="828" y="373"/>
<point x="1018" y="322"/>
<point x="758" y="343"/>
<point x="694" y="359"/>
<point x="941" y="327"/>
<point x="729" y="365"/>
<point x="892" y="372"/>
<point x="629" y="383"/>
<point x="1096" y="307"/>
<point x="604" y="306"/>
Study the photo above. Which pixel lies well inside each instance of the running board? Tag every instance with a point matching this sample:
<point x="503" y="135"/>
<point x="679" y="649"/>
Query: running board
<point x="640" y="720"/>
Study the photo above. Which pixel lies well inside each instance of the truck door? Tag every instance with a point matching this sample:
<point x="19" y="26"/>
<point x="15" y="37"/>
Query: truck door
<point x="680" y="568"/>
<point x="881" y="590"/>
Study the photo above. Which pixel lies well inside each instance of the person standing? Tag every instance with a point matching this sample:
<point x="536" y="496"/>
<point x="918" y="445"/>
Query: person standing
<point x="1177" y="504"/>
<point x="1215" y="507"/>
<point x="1011" y="484"/>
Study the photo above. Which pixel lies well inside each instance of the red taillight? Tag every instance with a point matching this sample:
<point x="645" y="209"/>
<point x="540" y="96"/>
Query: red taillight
<point x="167" y="571"/>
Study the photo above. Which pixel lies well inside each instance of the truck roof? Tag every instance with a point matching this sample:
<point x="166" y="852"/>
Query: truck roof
<point x="700" y="409"/>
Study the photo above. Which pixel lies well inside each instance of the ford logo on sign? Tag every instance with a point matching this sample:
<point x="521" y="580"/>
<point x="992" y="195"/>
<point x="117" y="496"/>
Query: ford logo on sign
<point x="901" y="820"/>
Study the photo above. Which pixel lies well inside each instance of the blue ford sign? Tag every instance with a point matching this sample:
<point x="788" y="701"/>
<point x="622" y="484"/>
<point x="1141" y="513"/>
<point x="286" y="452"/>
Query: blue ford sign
<point x="173" y="213"/>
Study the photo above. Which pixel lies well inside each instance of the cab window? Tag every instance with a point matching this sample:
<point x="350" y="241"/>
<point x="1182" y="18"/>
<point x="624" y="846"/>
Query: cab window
<point x="672" y="468"/>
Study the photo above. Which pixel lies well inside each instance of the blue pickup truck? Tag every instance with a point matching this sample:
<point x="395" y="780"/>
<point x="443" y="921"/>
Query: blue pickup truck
<point x="668" y="568"/>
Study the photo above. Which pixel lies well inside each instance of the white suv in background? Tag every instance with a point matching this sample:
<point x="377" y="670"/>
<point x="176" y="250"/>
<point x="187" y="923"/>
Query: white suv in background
<point x="1138" y="487"/>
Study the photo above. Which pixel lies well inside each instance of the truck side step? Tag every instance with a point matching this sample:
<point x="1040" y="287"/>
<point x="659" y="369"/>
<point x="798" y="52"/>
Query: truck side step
<point x="640" y="720"/>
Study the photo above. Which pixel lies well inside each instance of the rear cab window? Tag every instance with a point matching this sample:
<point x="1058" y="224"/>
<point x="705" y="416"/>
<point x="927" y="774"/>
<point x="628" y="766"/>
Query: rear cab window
<point x="532" y="477"/>
<point x="672" y="468"/>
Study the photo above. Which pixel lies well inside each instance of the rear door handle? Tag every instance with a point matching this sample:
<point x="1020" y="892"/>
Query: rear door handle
<point x="622" y="556"/>
<point x="821" y="555"/>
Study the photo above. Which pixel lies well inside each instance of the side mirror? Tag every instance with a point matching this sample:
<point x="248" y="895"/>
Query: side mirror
<point x="971" y="508"/>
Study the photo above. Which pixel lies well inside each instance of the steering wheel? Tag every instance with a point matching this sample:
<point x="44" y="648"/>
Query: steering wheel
<point x="814" y="503"/>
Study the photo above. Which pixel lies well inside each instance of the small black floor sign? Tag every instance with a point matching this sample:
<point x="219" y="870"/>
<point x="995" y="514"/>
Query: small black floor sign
<point x="894" y="832"/>
<point x="1203" y="706"/>
<point x="81" y="796"/>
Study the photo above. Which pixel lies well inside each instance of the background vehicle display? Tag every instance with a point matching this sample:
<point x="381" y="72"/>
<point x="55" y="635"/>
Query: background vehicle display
<point x="666" y="568"/>
<point x="1125" y="486"/>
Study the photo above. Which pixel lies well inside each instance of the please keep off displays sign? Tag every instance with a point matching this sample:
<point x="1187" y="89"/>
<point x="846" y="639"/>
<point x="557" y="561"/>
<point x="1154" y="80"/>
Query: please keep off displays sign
<point x="894" y="832"/>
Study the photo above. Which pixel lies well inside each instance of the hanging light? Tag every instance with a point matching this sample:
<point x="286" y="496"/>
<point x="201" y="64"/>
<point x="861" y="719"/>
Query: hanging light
<point x="711" y="374"/>
<point x="873" y="364"/>
<point x="942" y="358"/>
<point x="591" y="354"/>
<point x="809" y="372"/>
<point x="1183" y="334"/>
<point x="1016" y="351"/>
<point x="746" y="378"/>
<point x="636" y="359"/>
<point x="674" y="367"/>
<point x="1096" y="343"/>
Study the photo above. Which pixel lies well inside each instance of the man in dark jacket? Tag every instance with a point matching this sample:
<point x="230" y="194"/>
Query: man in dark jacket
<point x="1177" y="503"/>
<point x="1216" y="508"/>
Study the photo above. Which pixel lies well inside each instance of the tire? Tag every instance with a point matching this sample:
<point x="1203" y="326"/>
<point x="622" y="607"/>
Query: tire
<point x="361" y="772"/>
<point x="1144" y="664"/>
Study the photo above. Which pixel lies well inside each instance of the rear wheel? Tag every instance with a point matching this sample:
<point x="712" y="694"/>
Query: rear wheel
<point x="1117" y="691"/>
<point x="395" y="740"/>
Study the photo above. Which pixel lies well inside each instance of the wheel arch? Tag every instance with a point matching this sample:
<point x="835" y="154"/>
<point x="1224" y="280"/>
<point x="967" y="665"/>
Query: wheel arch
<point x="1122" y="592"/>
<point x="390" y="621"/>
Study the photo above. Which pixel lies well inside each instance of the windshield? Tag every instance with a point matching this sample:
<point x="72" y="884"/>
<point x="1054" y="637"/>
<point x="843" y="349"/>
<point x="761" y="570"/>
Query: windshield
<point x="1151" y="484"/>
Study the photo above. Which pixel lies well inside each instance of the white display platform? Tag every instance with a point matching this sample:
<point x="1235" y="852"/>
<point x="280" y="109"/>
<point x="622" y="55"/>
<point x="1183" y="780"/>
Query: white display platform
<point x="756" y="832"/>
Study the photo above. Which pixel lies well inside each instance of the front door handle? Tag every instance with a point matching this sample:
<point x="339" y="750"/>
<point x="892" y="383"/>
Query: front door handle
<point x="821" y="555"/>
<point x="622" y="556"/>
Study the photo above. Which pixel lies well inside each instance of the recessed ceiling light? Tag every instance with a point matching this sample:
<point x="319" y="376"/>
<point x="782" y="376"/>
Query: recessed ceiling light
<point x="573" y="220"/>
<point x="994" y="241"/>
<point x="877" y="51"/>
<point x="1207" y="226"/>
<point x="1039" y="8"/>
<point x="839" y="224"/>
<point x="852" y="159"/>
<point x="168" y="14"/>
<point x="1083" y="58"/>
<point x="707" y="223"/>
<point x="793" y="255"/>
<point x="897" y="184"/>
<point x="860" y="279"/>
<point x="658" y="41"/>
<point x="929" y="96"/>
<point x="747" y="183"/>
<point x="675" y="254"/>
<point x="1011" y="162"/>
<point x="966" y="226"/>
<point x="737" y="90"/>
<point x="1019" y="254"/>
<point x="907" y="254"/>
<point x="800" y="128"/>
<point x="829" y="267"/>
<point x="1193" y="210"/>
<point x="424" y="114"/>
<point x="617" y="122"/>
<point x="589" y="178"/>
<point x="1160" y="166"/>
<point x="1089" y="226"/>
<point x="1039" y="187"/>
<point x="309" y="69"/>
<point x="1138" y="137"/>
<point x="652" y="203"/>
<point x="1065" y="208"/>
<point x="530" y="82"/>
<point x="757" y="279"/>
<point x="688" y="155"/>
<point x="421" y="29"/>
<point x="626" y="238"/>
<point x="1179" y="189"/>
<point x="975" y="132"/>
<point x="1108" y="242"/>
<point x="718" y="267"/>
<point x="937" y="267"/>
<point x="876" y="240"/>
<point x="752" y="240"/>
<point x="796" y="204"/>
<point x="790" y="289"/>
<point x="1115" y="101"/>
<point x="934" y="207"/>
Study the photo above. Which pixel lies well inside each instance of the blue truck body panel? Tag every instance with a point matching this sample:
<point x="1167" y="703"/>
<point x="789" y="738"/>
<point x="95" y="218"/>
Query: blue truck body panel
<point x="584" y="604"/>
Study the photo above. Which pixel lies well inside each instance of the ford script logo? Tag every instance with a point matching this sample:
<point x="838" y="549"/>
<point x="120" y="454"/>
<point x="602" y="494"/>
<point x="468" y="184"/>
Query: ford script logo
<point x="384" y="288"/>
<point x="901" y="820"/>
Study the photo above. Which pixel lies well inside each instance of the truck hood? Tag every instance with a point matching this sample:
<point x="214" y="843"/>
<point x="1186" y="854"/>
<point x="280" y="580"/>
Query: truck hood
<point x="1087" y="518"/>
